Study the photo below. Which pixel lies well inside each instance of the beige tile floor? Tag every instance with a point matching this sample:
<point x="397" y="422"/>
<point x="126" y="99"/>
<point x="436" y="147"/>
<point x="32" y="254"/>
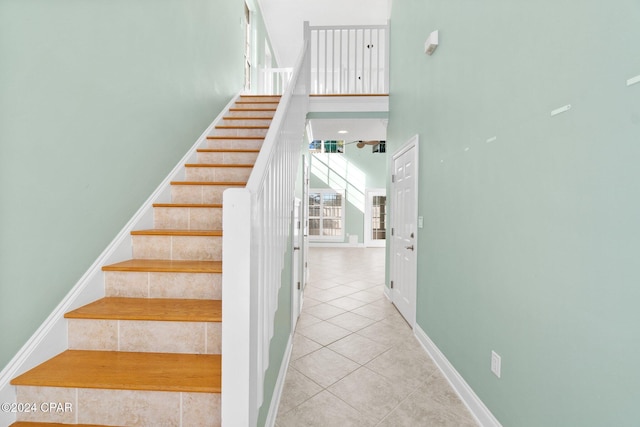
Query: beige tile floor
<point x="355" y="361"/>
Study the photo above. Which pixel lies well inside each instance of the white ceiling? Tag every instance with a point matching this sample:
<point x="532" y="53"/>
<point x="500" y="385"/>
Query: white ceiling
<point x="358" y="129"/>
<point x="284" y="20"/>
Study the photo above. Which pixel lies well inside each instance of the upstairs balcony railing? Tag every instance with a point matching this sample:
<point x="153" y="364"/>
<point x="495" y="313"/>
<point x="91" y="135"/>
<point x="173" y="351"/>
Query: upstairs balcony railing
<point x="345" y="60"/>
<point x="348" y="60"/>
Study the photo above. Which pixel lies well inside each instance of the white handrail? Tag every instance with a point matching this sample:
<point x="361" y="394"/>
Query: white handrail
<point x="256" y="228"/>
<point x="349" y="60"/>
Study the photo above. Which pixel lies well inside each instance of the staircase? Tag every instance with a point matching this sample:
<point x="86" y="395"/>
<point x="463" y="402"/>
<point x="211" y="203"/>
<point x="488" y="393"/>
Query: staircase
<point x="149" y="352"/>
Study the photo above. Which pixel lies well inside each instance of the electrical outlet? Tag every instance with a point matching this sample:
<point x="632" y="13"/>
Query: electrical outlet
<point x="496" y="362"/>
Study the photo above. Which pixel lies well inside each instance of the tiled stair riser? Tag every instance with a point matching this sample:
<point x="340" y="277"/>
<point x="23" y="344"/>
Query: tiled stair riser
<point x="218" y="174"/>
<point x="257" y="112"/>
<point x="122" y="407"/>
<point x="227" y="143"/>
<point x="198" y="193"/>
<point x="201" y="248"/>
<point x="254" y="106"/>
<point x="259" y="99"/>
<point x="133" y="284"/>
<point x="227" y="158"/>
<point x="145" y="336"/>
<point x="187" y="218"/>
<point x="247" y="121"/>
<point x="231" y="132"/>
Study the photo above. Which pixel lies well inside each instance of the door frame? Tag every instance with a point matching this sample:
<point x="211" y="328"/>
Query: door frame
<point x="413" y="142"/>
<point x="248" y="45"/>
<point x="297" y="271"/>
<point x="368" y="241"/>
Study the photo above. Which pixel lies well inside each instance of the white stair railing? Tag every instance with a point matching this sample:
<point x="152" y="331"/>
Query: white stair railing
<point x="349" y="60"/>
<point x="276" y="80"/>
<point x="256" y="228"/>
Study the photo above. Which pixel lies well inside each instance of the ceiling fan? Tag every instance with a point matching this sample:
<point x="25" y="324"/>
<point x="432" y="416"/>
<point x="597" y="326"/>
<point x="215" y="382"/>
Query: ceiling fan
<point x="361" y="144"/>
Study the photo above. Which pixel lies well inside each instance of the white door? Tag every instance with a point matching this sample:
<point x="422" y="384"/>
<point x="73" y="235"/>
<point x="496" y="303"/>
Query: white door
<point x="296" y="276"/>
<point x="375" y="218"/>
<point x="404" y="230"/>
<point x="305" y="222"/>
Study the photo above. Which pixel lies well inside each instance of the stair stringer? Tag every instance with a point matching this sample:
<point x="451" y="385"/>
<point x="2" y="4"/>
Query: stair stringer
<point x="51" y="337"/>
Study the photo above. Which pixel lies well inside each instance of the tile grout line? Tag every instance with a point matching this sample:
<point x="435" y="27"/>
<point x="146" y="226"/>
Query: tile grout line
<point x="386" y="321"/>
<point x="77" y="407"/>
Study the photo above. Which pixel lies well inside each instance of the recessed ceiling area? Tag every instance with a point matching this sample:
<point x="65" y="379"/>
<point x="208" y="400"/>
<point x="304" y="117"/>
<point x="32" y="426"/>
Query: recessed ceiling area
<point x="357" y="129"/>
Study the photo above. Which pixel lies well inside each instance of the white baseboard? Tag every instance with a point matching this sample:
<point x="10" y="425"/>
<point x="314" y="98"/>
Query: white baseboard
<point x="387" y="293"/>
<point x="277" y="390"/>
<point x="51" y="337"/>
<point x="481" y="413"/>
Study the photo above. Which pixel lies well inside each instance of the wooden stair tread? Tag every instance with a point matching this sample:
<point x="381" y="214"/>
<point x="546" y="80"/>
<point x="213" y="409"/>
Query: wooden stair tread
<point x="155" y="309"/>
<point x="174" y="232"/>
<point x="249" y="95"/>
<point x="248" y="118"/>
<point x="228" y="184"/>
<point x="187" y="205"/>
<point x="216" y="165"/>
<point x="245" y="137"/>
<point x="256" y="102"/>
<point x="252" y="109"/>
<point x="128" y="371"/>
<point x="242" y="126"/>
<point x="41" y="424"/>
<point x="166" y="266"/>
<point x="226" y="150"/>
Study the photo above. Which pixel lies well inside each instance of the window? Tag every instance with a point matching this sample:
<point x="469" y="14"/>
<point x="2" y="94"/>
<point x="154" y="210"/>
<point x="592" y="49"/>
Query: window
<point x="326" y="214"/>
<point x="317" y="146"/>
<point x="378" y="217"/>
<point x="380" y="147"/>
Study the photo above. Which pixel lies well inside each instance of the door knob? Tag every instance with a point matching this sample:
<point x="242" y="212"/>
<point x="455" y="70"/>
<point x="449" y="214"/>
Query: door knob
<point x="296" y="248"/>
<point x="409" y="247"/>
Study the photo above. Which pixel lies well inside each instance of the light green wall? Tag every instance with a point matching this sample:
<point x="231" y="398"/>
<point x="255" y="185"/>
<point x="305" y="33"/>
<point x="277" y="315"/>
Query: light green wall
<point x="282" y="322"/>
<point x="98" y="101"/>
<point x="258" y="45"/>
<point x="373" y="168"/>
<point x="282" y="332"/>
<point x="530" y="241"/>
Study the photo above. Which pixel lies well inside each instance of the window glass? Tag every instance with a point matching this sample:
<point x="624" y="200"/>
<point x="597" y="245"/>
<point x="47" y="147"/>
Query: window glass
<point x="326" y="214"/>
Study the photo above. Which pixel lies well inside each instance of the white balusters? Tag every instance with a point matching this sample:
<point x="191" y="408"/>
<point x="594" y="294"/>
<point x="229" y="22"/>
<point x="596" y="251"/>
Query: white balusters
<point x="349" y="60"/>
<point x="276" y="80"/>
<point x="256" y="224"/>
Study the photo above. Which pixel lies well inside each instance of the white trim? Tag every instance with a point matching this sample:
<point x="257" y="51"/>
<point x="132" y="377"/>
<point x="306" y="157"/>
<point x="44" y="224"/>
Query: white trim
<point x="239" y="310"/>
<point x="51" y="337"/>
<point x="348" y="104"/>
<point x="368" y="241"/>
<point x="480" y="412"/>
<point x="387" y="293"/>
<point x="296" y="266"/>
<point x="277" y="390"/>
<point x="412" y="143"/>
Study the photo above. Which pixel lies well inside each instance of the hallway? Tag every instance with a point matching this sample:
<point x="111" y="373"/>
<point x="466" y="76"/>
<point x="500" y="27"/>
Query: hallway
<point x="355" y="361"/>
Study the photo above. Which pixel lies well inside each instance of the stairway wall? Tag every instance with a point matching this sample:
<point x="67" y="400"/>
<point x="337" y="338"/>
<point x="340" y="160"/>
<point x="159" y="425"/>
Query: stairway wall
<point x="529" y="239"/>
<point x="98" y="101"/>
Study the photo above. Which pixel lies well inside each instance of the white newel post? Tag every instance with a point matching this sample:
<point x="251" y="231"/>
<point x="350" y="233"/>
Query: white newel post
<point x="239" y="406"/>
